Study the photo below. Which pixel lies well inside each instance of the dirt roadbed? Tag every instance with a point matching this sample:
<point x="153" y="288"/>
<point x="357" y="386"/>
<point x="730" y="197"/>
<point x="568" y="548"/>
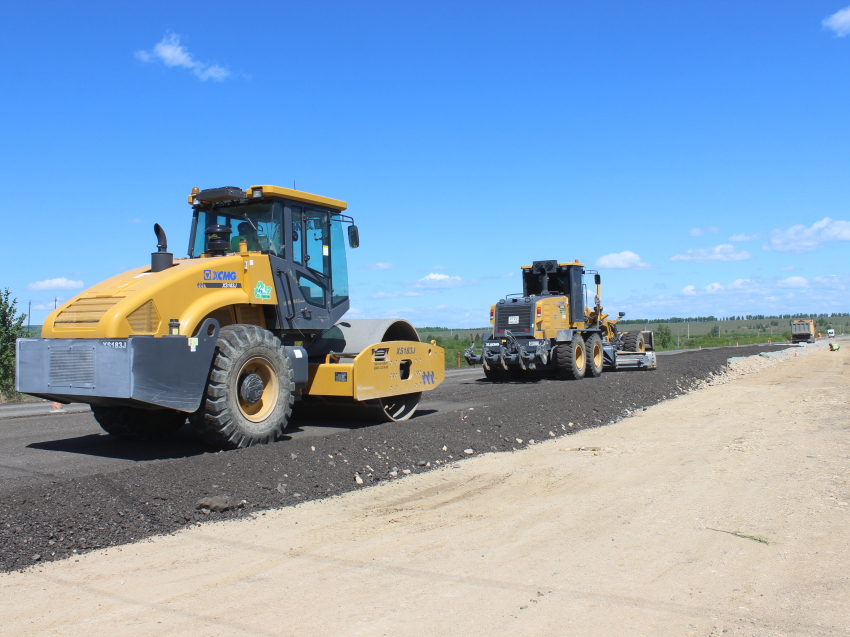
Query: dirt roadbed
<point x="722" y="512"/>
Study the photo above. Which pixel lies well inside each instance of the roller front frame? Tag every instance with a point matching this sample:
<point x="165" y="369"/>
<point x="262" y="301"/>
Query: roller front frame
<point x="381" y="370"/>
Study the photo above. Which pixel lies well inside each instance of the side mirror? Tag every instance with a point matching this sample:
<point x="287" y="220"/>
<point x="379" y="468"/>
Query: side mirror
<point x="597" y="279"/>
<point x="622" y="314"/>
<point x="353" y="236"/>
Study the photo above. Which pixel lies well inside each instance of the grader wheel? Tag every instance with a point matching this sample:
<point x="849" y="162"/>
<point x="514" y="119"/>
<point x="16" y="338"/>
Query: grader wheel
<point x="593" y="346"/>
<point x="571" y="359"/>
<point x="633" y="342"/>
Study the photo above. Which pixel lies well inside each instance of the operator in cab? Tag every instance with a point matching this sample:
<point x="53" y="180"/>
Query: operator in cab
<point x="248" y="233"/>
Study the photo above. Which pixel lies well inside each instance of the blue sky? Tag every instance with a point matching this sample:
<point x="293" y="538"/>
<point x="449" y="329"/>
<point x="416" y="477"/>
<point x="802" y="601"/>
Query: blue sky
<point x="695" y="153"/>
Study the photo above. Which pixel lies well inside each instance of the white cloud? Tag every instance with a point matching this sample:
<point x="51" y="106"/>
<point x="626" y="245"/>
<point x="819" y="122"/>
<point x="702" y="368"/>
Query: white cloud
<point x="725" y="252"/>
<point x="413" y="294"/>
<point x="437" y="280"/>
<point x="788" y="268"/>
<point x="55" y="284"/>
<point x="794" y="282"/>
<point x="626" y="260"/>
<point x="170" y="52"/>
<point x="136" y="220"/>
<point x="828" y="293"/>
<point x="833" y="281"/>
<point x="741" y="284"/>
<point x="50" y="306"/>
<point x="379" y="266"/>
<point x="746" y="237"/>
<point x="698" y="232"/>
<point x="799" y="238"/>
<point x="838" y="22"/>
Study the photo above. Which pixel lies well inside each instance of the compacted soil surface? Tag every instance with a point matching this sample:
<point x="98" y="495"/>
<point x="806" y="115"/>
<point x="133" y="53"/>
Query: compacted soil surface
<point x="45" y="520"/>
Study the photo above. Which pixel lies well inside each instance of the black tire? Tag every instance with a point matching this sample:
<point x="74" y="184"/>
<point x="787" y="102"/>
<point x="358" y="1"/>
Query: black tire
<point x="570" y="359"/>
<point x="129" y="423"/>
<point x="633" y="342"/>
<point x="595" y="356"/>
<point x="249" y="393"/>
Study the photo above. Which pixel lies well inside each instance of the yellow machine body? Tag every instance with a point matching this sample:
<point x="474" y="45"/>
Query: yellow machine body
<point x="392" y="368"/>
<point x="141" y="302"/>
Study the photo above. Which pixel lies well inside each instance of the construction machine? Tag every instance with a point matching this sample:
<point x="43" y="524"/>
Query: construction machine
<point x="250" y="324"/>
<point x="803" y="331"/>
<point x="550" y="328"/>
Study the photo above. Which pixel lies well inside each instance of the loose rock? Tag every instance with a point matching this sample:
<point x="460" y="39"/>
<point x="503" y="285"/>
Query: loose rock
<point x="217" y="503"/>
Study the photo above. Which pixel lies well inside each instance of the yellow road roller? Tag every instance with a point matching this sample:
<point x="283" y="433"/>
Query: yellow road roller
<point x="235" y="335"/>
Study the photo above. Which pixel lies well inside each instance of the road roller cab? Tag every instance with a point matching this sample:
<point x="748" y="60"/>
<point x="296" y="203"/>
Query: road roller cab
<point x="233" y="335"/>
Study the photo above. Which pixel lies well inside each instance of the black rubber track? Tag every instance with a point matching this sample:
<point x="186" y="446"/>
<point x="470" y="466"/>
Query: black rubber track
<point x="69" y="516"/>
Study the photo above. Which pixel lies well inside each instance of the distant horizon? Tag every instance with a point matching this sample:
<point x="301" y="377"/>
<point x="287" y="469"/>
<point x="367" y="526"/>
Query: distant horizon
<point x="624" y="321"/>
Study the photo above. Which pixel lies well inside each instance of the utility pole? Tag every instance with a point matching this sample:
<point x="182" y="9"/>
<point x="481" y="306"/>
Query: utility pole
<point x="29" y="317"/>
<point x="55" y="302"/>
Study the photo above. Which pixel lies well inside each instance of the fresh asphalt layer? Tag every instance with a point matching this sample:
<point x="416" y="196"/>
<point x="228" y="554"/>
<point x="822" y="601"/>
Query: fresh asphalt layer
<point x="67" y="487"/>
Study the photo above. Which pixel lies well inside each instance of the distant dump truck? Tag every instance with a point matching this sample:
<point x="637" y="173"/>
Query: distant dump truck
<point x="803" y="331"/>
<point x="830" y="333"/>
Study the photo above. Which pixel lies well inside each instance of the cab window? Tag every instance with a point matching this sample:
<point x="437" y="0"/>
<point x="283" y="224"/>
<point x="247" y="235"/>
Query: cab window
<point x="317" y="248"/>
<point x="259" y="225"/>
<point x="297" y="232"/>
<point x="339" y="264"/>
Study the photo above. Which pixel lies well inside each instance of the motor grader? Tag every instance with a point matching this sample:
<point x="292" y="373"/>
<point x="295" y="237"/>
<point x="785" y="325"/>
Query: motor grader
<point x="550" y="328"/>
<point x="250" y="324"/>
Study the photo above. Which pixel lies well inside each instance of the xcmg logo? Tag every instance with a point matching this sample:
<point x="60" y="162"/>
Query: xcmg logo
<point x="217" y="275"/>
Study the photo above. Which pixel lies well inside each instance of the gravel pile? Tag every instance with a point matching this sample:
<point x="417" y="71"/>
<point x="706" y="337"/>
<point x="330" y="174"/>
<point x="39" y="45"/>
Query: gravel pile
<point x="58" y="520"/>
<point x="742" y="365"/>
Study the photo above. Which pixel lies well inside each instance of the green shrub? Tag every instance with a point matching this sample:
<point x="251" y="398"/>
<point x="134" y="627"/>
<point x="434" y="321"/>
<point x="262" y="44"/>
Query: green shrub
<point x="11" y="329"/>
